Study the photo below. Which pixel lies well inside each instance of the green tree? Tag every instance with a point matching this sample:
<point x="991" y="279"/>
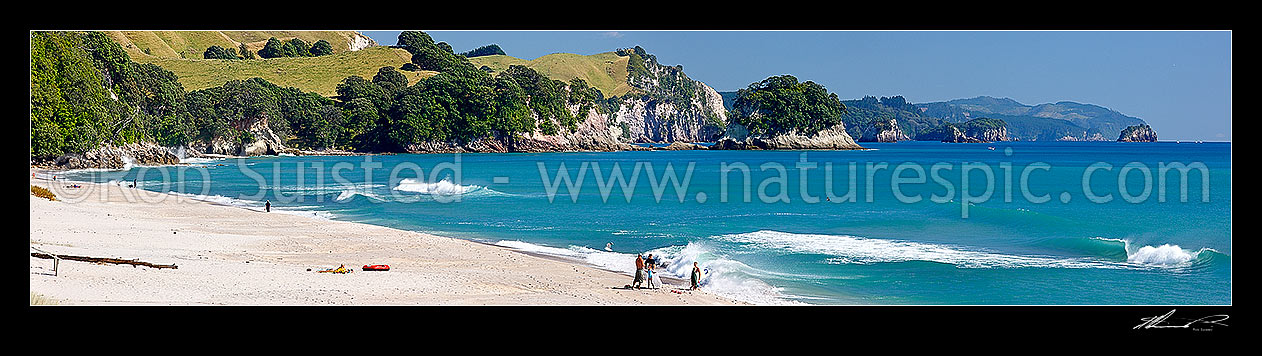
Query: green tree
<point x="390" y="76"/>
<point x="321" y="48"/>
<point x="781" y="104"/>
<point x="300" y="47"/>
<point x="216" y="52"/>
<point x="272" y="49"/>
<point x="430" y="58"/>
<point x="414" y="40"/>
<point x="355" y="87"/>
<point x="487" y="50"/>
<point x="359" y="126"/>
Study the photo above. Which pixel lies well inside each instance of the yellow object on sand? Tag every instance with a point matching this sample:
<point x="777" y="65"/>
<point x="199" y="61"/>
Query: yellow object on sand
<point x="339" y="269"/>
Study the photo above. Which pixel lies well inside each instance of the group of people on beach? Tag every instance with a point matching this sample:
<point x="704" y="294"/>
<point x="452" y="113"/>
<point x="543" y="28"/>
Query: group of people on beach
<point x="644" y="272"/>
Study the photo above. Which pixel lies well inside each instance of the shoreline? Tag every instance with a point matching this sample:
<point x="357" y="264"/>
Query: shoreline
<point x="239" y="256"/>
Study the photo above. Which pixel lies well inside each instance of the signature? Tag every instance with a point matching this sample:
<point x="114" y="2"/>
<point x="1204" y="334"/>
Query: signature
<point x="1156" y="322"/>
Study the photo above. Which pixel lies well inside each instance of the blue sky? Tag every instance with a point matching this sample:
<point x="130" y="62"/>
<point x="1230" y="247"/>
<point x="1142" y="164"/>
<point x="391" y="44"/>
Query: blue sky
<point x="1179" y="82"/>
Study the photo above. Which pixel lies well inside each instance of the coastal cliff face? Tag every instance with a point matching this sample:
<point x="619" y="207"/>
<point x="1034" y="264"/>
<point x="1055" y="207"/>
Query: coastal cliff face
<point x="260" y="140"/>
<point x="955" y="135"/>
<point x="360" y="41"/>
<point x="108" y="156"/>
<point x="738" y="138"/>
<point x="666" y="105"/>
<point x="593" y="134"/>
<point x="976" y="135"/>
<point x="1137" y="133"/>
<point x="989" y="134"/>
<point x="879" y="131"/>
<point x="973" y="131"/>
<point x="651" y="120"/>
<point x="1095" y="136"/>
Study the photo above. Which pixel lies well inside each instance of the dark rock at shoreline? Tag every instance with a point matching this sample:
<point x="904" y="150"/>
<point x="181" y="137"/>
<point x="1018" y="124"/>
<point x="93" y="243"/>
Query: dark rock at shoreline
<point x="114" y="157"/>
<point x="738" y="138"/>
<point x="680" y="146"/>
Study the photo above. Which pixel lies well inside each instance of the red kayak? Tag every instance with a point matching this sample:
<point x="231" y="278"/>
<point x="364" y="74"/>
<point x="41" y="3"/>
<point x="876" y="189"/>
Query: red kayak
<point x="376" y="267"/>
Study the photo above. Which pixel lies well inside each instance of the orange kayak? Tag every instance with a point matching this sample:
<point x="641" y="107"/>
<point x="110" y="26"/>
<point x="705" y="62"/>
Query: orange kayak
<point x="376" y="267"/>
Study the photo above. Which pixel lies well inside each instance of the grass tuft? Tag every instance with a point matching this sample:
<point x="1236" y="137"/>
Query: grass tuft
<point x="43" y="193"/>
<point x="37" y="299"/>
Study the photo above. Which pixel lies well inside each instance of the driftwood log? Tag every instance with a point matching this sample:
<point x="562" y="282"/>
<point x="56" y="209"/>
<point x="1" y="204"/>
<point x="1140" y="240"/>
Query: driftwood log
<point x="102" y="260"/>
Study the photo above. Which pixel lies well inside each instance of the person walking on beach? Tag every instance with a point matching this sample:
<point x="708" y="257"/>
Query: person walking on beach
<point x="268" y="206"/>
<point x="696" y="276"/>
<point x="639" y="271"/>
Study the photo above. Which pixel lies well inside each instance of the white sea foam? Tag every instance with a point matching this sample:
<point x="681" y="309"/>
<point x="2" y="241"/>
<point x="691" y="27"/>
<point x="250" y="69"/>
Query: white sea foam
<point x="443" y="187"/>
<point x="1110" y="240"/>
<point x="611" y="261"/>
<point x="1165" y="255"/>
<point x="221" y="200"/>
<point x="200" y="160"/>
<point x="307" y="211"/>
<point x="361" y="190"/>
<point x="346" y="194"/>
<point x="723" y="277"/>
<point x="344" y="191"/>
<point x="858" y="250"/>
<point x="128" y="162"/>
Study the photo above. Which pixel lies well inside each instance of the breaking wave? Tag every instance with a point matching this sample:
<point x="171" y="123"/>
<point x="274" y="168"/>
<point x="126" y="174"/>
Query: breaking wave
<point x="1164" y="255"/>
<point x="444" y="187"/>
<point x="720" y="276"/>
<point x="846" y="249"/>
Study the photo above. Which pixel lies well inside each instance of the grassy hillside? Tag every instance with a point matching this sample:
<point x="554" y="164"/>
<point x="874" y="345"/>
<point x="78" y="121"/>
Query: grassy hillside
<point x="191" y="44"/>
<point x="314" y="74"/>
<point x="605" y="71"/>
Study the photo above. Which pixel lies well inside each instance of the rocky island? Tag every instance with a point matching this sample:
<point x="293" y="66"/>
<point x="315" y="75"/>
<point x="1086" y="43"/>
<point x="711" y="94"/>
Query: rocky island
<point x="972" y="131"/>
<point x="782" y="113"/>
<point x="1137" y="133"/>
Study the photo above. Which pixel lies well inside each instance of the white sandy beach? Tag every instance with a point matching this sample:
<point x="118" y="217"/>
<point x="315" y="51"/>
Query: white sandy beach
<point x="234" y="256"/>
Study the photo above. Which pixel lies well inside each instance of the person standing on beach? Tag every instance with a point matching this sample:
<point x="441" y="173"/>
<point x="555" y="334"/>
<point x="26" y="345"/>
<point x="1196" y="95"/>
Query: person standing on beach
<point x="639" y="271"/>
<point x="649" y="272"/>
<point x="696" y="276"/>
<point x="268" y="207"/>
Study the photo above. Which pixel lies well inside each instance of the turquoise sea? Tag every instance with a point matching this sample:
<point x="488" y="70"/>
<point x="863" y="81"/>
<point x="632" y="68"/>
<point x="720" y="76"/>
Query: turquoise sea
<point x="1055" y="247"/>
